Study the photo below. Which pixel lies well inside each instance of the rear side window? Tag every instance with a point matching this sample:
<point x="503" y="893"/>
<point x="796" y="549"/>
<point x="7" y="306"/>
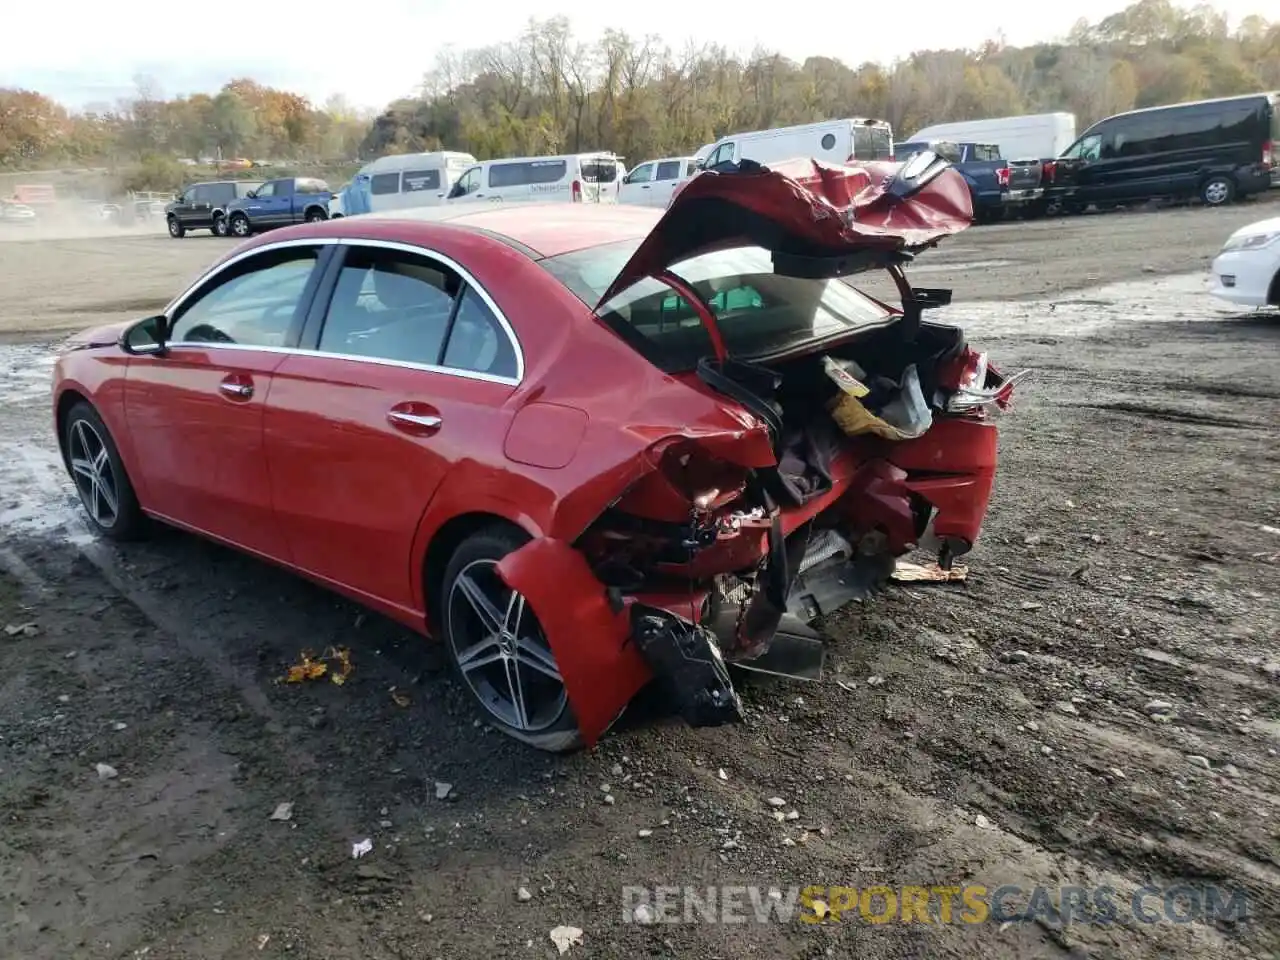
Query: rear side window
<point x="398" y="306"/>
<point x="986" y="151"/>
<point x="872" y="142"/>
<point x="415" y="181"/>
<point x="384" y="183"/>
<point x="668" y="170"/>
<point x="527" y="172"/>
<point x="758" y="311"/>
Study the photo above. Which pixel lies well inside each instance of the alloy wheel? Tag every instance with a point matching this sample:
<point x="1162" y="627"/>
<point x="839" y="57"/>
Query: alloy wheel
<point x="93" y="473"/>
<point x="1215" y="192"/>
<point x="240" y="227"/>
<point x="501" y="651"/>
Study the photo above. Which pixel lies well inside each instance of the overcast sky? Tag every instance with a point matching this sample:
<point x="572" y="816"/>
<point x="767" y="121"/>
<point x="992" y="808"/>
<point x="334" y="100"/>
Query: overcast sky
<point x="373" y="52"/>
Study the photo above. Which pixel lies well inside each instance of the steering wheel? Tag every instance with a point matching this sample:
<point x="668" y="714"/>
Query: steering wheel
<point x="206" y="333"/>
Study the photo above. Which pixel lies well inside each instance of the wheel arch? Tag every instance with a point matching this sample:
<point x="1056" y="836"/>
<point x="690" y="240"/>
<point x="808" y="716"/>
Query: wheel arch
<point x="1273" y="292"/>
<point x="445" y="538"/>
<point x="69" y="397"/>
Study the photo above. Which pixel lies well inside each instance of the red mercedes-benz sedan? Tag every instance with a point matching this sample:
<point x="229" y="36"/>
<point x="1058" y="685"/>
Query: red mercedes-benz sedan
<point x="587" y="446"/>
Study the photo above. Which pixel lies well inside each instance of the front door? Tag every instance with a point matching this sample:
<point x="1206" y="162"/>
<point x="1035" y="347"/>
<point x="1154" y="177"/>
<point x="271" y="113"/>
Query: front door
<point x="638" y="186"/>
<point x="410" y="366"/>
<point x="195" y="210"/>
<point x="195" y="413"/>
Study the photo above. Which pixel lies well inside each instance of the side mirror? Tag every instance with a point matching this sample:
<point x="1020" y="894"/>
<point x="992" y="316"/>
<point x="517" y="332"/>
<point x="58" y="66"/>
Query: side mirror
<point x="146" y="337"/>
<point x="251" y="195"/>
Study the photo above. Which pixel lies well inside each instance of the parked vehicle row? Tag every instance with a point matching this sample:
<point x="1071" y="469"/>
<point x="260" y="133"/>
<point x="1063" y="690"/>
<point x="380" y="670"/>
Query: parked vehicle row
<point x="1218" y="150"/>
<point x="242" y="207"/>
<point x="996" y="186"/>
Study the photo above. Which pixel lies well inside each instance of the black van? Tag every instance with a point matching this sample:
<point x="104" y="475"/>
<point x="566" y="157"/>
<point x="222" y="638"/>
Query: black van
<point x="1218" y="150"/>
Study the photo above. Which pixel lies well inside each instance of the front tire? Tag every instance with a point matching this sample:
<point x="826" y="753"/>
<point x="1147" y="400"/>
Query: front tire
<point x="1218" y="191"/>
<point x="176" y="229"/>
<point x="98" y="473"/>
<point x="498" y="648"/>
<point x="240" y="225"/>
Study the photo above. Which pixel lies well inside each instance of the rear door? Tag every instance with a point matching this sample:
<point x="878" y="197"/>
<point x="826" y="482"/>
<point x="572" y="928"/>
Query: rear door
<point x="407" y="368"/>
<point x="195" y="414"/>
<point x="666" y="176"/>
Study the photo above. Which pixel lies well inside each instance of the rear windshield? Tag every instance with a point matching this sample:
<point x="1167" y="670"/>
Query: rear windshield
<point x="598" y="170"/>
<point x="872" y="143"/>
<point x="943" y="148"/>
<point x="758" y="312"/>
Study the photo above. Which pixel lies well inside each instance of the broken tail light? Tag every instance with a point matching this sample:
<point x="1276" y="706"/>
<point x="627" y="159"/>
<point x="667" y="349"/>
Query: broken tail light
<point x="1002" y="177"/>
<point x="966" y="377"/>
<point x="1048" y="171"/>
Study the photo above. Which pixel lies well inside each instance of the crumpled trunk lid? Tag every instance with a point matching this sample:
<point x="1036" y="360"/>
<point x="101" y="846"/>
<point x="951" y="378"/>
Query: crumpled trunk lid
<point x="805" y="211"/>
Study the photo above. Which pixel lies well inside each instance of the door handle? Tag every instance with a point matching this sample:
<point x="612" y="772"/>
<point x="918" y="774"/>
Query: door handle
<point x="241" y="391"/>
<point x="398" y="418"/>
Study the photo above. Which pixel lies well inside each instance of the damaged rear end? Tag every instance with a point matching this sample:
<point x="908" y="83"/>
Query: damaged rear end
<point x="860" y="432"/>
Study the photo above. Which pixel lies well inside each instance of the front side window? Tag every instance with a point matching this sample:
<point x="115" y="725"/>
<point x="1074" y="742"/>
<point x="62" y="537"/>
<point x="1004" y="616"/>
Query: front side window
<point x="1086" y="148"/>
<point x="469" y="182"/>
<point x="641" y="174"/>
<point x="268" y="189"/>
<point x="758" y="311"/>
<point x="253" y="303"/>
<point x="408" y="308"/>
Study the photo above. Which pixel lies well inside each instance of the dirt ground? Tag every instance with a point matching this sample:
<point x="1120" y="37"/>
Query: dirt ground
<point x="1098" y="706"/>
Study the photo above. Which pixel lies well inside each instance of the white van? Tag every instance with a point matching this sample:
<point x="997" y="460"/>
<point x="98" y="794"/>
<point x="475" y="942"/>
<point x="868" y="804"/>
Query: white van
<point x="837" y="141"/>
<point x="572" y="178"/>
<point x="1035" y="136"/>
<point x="652" y="183"/>
<point x="403" y="180"/>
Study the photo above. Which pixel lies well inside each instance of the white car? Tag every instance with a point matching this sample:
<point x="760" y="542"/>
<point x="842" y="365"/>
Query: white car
<point x="653" y="184"/>
<point x="1247" y="271"/>
<point x="13" y="212"/>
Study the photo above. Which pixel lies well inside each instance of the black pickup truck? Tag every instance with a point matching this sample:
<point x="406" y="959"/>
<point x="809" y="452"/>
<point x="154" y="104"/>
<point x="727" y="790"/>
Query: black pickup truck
<point x="998" y="186"/>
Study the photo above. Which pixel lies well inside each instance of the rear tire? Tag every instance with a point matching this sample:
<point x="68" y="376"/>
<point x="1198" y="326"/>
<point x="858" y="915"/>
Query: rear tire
<point x="105" y="490"/>
<point x="219" y="228"/>
<point x="1218" y="191"/>
<point x="315" y="216"/>
<point x="176" y="229"/>
<point x="533" y="707"/>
